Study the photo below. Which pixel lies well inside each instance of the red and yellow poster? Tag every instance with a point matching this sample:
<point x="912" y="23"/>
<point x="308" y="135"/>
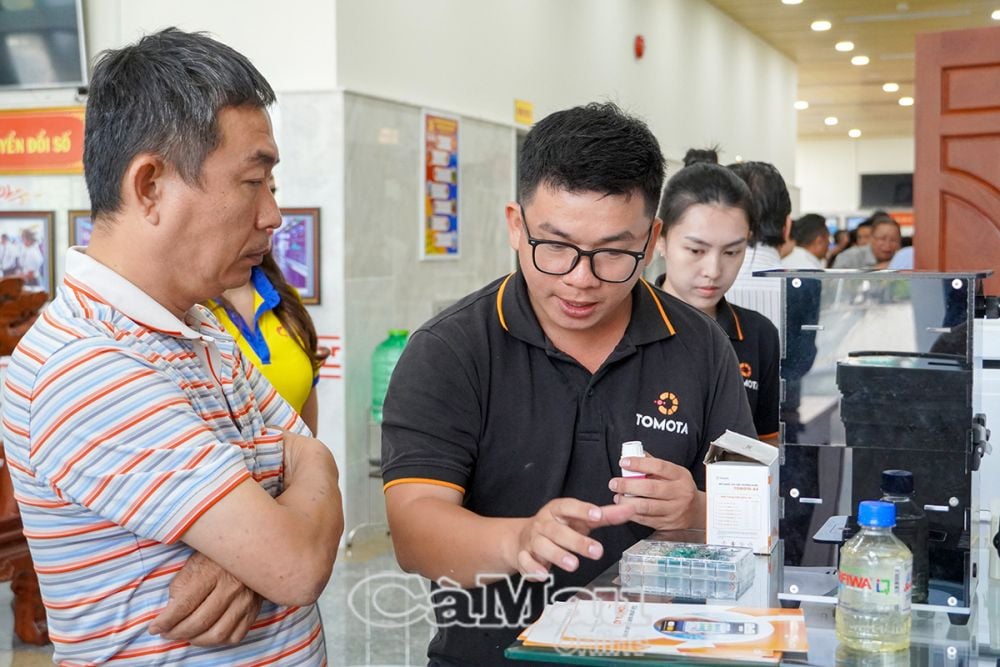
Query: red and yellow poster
<point x="41" y="141"/>
<point x="439" y="214"/>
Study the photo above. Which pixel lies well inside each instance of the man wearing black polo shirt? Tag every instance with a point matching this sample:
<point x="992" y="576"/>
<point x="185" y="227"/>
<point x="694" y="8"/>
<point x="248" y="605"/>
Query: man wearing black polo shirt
<point x="505" y="416"/>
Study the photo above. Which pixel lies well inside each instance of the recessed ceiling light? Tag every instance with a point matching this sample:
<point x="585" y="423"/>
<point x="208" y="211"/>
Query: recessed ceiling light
<point x="801" y="105"/>
<point x="821" y="26"/>
<point x="831" y="120"/>
<point x="995" y="15"/>
<point x="739" y="158"/>
<point x="890" y="87"/>
<point x="844" y="47"/>
<point x="906" y="101"/>
<point x="854" y="134"/>
<point x="860" y="60"/>
<point x="791" y="2"/>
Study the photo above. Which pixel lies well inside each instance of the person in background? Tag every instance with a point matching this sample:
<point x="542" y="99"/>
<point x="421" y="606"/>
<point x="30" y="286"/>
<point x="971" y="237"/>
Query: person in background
<point x="8" y="256"/>
<point x="30" y="260"/>
<point x="772" y="213"/>
<point x="706" y="212"/>
<point x="886" y="239"/>
<point x="842" y="240"/>
<point x="863" y="232"/>
<point x="176" y="509"/>
<point x="772" y="206"/>
<point x="267" y="318"/>
<point x="812" y="240"/>
<point x="903" y="259"/>
<point x="854" y="256"/>
<point x="505" y="416"/>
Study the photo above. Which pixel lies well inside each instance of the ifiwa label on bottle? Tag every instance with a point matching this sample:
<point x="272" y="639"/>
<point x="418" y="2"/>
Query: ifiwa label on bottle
<point x="887" y="587"/>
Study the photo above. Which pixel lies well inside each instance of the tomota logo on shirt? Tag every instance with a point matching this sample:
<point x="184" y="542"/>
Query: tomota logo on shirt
<point x="666" y="404"/>
<point x="746" y="370"/>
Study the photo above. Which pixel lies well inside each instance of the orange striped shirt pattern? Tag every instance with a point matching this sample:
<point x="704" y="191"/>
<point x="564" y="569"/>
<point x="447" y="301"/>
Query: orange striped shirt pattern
<point x="122" y="426"/>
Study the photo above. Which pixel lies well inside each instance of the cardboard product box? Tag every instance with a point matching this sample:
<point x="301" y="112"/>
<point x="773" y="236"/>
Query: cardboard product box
<point x="741" y="482"/>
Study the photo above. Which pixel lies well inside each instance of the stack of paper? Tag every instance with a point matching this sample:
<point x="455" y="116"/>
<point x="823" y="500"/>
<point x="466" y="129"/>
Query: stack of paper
<point x="712" y="633"/>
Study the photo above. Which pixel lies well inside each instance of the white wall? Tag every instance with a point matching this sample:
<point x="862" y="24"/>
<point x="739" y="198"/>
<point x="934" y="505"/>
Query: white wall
<point x="291" y="42"/>
<point x="704" y="79"/>
<point x="828" y="171"/>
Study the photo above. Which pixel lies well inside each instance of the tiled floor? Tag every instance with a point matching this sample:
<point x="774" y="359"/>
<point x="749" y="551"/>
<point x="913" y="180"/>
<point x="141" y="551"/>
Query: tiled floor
<point x="373" y="613"/>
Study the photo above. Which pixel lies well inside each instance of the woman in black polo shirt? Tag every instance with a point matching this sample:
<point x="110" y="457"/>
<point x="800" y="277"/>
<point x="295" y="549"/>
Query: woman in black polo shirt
<point x="707" y="221"/>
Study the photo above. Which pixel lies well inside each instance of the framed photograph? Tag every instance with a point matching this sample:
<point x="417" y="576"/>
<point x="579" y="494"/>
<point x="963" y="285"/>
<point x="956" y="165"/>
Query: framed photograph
<point x="26" y="247"/>
<point x="80" y="226"/>
<point x="295" y="247"/>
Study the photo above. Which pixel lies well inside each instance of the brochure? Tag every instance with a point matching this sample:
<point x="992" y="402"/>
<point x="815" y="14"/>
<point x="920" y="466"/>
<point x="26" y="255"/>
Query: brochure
<point x="709" y="632"/>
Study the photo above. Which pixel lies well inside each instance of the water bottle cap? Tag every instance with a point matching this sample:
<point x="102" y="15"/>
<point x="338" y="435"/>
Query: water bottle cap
<point x="399" y="332"/>
<point x="876" y="514"/>
<point x="897" y="481"/>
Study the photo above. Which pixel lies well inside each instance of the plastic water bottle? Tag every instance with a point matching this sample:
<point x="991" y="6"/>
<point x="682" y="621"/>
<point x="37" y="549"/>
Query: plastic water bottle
<point x="911" y="525"/>
<point x="384" y="360"/>
<point x="873" y="598"/>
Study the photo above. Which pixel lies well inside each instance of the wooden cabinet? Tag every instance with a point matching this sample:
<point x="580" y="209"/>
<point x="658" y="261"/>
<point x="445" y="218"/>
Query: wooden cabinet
<point x="18" y="311"/>
<point x="15" y="566"/>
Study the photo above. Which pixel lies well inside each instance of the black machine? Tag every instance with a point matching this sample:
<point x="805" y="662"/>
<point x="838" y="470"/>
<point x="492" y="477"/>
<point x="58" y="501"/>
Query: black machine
<point x="878" y="371"/>
<point x="914" y="410"/>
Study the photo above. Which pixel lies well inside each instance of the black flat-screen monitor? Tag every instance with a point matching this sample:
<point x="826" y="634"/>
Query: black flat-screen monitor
<point x="41" y="44"/>
<point x="886" y="190"/>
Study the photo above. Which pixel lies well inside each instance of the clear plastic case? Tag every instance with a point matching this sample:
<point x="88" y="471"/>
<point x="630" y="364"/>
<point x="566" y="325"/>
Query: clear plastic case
<point x="686" y="570"/>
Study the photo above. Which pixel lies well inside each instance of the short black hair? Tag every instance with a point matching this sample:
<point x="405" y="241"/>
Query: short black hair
<point x="771" y="203"/>
<point x="808" y="228"/>
<point x="696" y="155"/>
<point x="162" y="95"/>
<point x="704" y="183"/>
<point x="592" y="148"/>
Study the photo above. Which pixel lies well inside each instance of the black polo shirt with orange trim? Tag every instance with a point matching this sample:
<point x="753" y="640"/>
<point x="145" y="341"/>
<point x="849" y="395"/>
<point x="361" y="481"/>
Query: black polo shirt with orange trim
<point x="482" y="402"/>
<point x="758" y="349"/>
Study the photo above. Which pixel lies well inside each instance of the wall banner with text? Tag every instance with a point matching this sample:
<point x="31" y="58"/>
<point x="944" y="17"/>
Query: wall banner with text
<point x="439" y="211"/>
<point x="41" y="141"/>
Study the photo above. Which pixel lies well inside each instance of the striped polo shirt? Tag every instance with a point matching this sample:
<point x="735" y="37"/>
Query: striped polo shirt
<point x="122" y="425"/>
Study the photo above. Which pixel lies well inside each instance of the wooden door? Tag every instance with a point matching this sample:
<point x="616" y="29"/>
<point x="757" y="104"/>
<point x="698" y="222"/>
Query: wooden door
<point x="957" y="176"/>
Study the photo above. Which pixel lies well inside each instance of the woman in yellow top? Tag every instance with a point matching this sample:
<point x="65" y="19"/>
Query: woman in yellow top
<point x="274" y="331"/>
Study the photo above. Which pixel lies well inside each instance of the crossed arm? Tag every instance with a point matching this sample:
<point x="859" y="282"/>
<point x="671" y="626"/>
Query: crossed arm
<point x="252" y="546"/>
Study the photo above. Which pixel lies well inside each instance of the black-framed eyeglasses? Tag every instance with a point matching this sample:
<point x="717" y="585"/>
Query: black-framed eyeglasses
<point x="610" y="265"/>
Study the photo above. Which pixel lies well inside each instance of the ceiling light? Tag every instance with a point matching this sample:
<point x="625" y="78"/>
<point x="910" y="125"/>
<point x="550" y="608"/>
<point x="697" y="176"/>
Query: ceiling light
<point x="821" y="26"/>
<point x="844" y="47"/>
<point x="854" y="134"/>
<point x="906" y="101"/>
<point x="801" y="105"/>
<point x="739" y="158"/>
<point x="995" y="15"/>
<point x="890" y="87"/>
<point x="860" y="60"/>
<point x="791" y="2"/>
<point x="831" y="120"/>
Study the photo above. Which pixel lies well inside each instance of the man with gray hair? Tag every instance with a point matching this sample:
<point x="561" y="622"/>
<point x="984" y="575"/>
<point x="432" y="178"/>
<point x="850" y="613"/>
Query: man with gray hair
<point x="177" y="509"/>
<point x="885" y="241"/>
